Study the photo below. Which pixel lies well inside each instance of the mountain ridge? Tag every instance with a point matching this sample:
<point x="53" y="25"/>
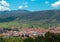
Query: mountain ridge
<point x="27" y="18"/>
<point x="36" y="15"/>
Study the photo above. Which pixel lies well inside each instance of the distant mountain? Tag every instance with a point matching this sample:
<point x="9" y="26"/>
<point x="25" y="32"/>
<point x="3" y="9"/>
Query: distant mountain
<point x="47" y="16"/>
<point x="6" y="16"/>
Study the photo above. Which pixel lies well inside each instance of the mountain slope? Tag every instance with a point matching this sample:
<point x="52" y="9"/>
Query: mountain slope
<point x="28" y="18"/>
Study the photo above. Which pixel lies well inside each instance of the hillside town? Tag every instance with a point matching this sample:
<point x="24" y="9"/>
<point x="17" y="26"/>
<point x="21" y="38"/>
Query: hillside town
<point x="27" y="32"/>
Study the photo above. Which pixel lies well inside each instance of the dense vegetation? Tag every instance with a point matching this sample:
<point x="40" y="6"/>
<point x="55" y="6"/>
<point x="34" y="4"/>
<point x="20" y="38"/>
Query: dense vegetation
<point x="49" y="37"/>
<point x="25" y="18"/>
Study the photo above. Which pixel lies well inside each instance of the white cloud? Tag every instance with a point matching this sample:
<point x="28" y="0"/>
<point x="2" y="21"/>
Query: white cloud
<point x="46" y="2"/>
<point x="21" y="7"/>
<point x="4" y="3"/>
<point x="24" y="5"/>
<point x="56" y="4"/>
<point x="2" y="8"/>
<point x="33" y="0"/>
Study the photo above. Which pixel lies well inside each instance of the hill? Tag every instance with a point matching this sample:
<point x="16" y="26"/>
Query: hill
<point x="25" y="18"/>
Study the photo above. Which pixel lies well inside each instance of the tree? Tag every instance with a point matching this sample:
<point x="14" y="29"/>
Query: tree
<point x="50" y="37"/>
<point x="28" y="40"/>
<point x="39" y="39"/>
<point x="57" y="37"/>
<point x="1" y="39"/>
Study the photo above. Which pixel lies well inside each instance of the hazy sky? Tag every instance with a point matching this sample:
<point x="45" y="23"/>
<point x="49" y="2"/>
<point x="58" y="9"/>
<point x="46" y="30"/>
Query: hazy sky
<point x="33" y="5"/>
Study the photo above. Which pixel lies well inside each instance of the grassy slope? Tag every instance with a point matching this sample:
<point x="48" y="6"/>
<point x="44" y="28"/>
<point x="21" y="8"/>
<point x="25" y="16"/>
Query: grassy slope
<point x="27" y="24"/>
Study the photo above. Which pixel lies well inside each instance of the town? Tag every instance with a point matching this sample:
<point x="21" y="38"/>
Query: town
<point x="26" y="32"/>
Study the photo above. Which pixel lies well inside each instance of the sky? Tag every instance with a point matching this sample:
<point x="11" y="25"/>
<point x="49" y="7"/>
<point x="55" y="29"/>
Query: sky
<point x="32" y="5"/>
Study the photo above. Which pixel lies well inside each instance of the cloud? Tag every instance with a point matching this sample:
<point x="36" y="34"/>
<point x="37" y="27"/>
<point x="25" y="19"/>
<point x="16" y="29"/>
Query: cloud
<point x="24" y="5"/>
<point x="4" y="3"/>
<point x="21" y="7"/>
<point x="4" y="6"/>
<point x="56" y="4"/>
<point x="46" y="2"/>
<point x="33" y="0"/>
